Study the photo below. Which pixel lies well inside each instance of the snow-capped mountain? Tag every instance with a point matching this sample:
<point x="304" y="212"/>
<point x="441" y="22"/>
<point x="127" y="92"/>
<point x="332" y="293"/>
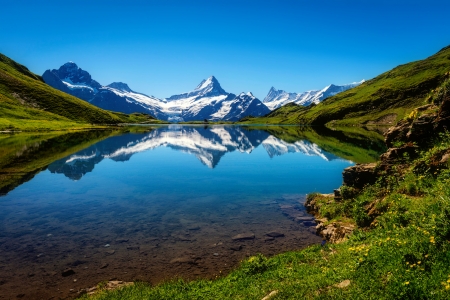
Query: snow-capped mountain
<point x="209" y="145"/>
<point x="207" y="101"/>
<point x="210" y="101"/>
<point x="276" y="98"/>
<point x="117" y="96"/>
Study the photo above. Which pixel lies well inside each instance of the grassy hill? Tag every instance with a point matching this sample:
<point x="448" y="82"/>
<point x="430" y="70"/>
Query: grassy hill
<point x="384" y="99"/>
<point x="27" y="103"/>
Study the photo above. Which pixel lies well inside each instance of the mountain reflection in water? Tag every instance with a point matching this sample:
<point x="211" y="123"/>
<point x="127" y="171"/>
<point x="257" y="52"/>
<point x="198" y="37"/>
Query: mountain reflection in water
<point x="208" y="144"/>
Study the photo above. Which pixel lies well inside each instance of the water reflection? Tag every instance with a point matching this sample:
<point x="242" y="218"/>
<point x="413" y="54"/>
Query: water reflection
<point x="207" y="144"/>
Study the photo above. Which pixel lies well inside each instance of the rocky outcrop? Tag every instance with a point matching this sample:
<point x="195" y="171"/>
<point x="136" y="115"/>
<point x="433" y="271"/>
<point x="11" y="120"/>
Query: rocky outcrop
<point x="360" y="175"/>
<point x="334" y="232"/>
<point x="442" y="122"/>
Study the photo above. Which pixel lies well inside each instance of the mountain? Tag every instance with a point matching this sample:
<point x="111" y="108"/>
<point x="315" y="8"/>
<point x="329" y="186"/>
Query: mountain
<point x="27" y="103"/>
<point x="277" y="98"/>
<point x="210" y="101"/>
<point x="116" y="96"/>
<point x="207" y="101"/>
<point x="383" y="100"/>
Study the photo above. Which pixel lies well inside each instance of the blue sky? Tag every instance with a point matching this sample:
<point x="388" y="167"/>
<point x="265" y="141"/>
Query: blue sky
<point x="167" y="47"/>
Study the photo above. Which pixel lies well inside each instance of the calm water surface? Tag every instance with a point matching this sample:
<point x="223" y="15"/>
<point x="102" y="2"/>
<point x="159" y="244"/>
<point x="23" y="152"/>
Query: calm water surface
<point x="159" y="204"/>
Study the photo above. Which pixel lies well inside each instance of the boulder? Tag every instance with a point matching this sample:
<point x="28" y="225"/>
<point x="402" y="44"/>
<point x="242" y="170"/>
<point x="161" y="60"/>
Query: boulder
<point x="359" y="175"/>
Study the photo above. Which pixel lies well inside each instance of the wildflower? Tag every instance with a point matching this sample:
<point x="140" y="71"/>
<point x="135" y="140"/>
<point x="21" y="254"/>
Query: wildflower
<point x="407" y="282"/>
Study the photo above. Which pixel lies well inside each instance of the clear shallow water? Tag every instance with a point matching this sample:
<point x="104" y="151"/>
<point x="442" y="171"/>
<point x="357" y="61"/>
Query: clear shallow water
<point x="160" y="204"/>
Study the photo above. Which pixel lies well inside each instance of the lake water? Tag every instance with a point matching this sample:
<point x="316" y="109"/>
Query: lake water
<point x="155" y="204"/>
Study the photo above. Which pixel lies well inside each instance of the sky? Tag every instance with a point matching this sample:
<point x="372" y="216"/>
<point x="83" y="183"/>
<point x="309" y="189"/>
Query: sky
<point x="167" y="47"/>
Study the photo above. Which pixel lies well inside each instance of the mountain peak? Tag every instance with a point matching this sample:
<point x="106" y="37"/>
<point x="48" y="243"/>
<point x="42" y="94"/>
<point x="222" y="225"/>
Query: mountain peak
<point x="69" y="66"/>
<point x="120" y="86"/>
<point x="211" y="82"/>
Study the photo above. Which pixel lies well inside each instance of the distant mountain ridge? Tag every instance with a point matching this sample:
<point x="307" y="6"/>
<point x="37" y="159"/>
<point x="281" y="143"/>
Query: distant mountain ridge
<point x="207" y="101"/>
<point x="277" y="98"/>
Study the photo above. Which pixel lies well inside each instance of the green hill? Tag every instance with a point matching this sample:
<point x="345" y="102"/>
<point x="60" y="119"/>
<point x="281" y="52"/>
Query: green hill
<point x="384" y="99"/>
<point x="27" y="103"/>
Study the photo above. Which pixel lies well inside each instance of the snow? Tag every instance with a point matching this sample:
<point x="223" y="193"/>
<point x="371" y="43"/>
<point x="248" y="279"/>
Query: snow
<point x="204" y="84"/>
<point x="80" y="157"/>
<point x="74" y="86"/>
<point x="277" y="98"/>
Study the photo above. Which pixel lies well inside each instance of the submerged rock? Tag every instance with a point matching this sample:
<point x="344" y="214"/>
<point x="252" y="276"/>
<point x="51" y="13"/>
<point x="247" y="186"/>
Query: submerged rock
<point x="67" y="272"/>
<point x="243" y="236"/>
<point x="275" y="234"/>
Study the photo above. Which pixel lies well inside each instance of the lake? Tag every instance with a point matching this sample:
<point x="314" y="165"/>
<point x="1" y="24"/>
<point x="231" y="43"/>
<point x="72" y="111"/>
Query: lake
<point x="156" y="203"/>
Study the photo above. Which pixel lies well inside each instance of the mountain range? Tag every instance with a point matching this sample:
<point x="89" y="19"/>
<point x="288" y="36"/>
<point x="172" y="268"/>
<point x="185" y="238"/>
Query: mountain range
<point x="277" y="98"/>
<point x="207" y="101"/>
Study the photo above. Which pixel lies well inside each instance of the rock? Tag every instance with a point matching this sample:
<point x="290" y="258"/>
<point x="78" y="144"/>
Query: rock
<point x="268" y="239"/>
<point x="302" y="219"/>
<point x="67" y="272"/>
<point x="104" y="266"/>
<point x="107" y="245"/>
<point x="270" y="295"/>
<point x="343" y="284"/>
<point x="398" y="154"/>
<point x="360" y="175"/>
<point x="243" y="236"/>
<point x="334" y="232"/>
<point x="445" y="158"/>
<point x="236" y="248"/>
<point x="121" y="240"/>
<point x="182" y="260"/>
<point x="275" y="234"/>
<point x="420" y="129"/>
<point x="110" y="252"/>
<point x="442" y="121"/>
<point x="133" y="248"/>
<point x="397" y="133"/>
<point x="77" y="263"/>
<point x="194" y="228"/>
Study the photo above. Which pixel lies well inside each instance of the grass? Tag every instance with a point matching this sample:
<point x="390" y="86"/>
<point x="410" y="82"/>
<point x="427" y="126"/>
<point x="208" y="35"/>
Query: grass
<point x="28" y="104"/>
<point x="400" y="249"/>
<point x="394" y="93"/>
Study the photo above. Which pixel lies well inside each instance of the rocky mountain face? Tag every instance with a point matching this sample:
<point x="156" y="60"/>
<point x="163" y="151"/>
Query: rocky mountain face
<point x="207" y="101"/>
<point x="276" y="98"/>
<point x="116" y="96"/>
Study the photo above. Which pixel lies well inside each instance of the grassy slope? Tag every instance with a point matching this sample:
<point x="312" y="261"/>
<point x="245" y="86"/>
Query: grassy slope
<point x="27" y="103"/>
<point x="395" y="92"/>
